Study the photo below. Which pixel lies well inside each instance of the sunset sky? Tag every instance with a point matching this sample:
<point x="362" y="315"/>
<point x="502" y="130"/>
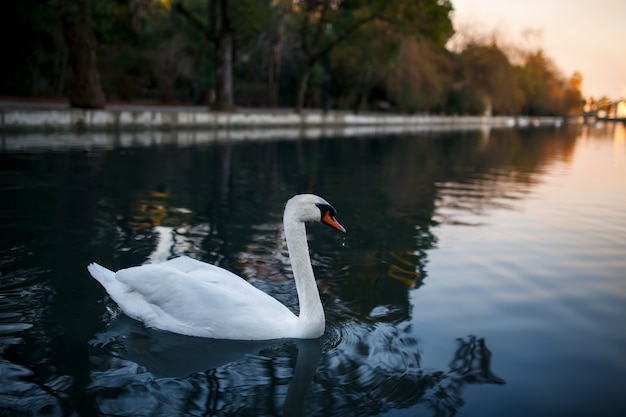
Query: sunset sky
<point x="588" y="36"/>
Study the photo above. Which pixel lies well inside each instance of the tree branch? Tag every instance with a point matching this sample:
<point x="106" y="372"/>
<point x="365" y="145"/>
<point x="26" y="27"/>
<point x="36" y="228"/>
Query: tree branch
<point x="321" y="25"/>
<point x="304" y="33"/>
<point x="343" y="36"/>
<point x="195" y="22"/>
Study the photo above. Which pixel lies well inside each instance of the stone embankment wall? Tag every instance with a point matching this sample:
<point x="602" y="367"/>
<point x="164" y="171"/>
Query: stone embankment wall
<point x="120" y="120"/>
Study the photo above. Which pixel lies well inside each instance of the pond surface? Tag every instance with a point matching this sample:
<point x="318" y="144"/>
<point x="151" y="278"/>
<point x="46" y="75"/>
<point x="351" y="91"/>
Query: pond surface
<point x="482" y="273"/>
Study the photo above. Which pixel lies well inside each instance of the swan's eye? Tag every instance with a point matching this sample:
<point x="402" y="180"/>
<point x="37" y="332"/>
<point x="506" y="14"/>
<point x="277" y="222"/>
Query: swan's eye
<point x="326" y="209"/>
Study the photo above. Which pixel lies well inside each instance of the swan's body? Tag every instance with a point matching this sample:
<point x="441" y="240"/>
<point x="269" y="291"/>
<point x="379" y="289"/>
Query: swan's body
<point x="190" y="297"/>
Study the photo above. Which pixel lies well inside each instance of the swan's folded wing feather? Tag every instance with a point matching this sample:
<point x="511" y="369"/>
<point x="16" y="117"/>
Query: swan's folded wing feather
<point x="187" y="265"/>
<point x="207" y="272"/>
<point x="200" y="301"/>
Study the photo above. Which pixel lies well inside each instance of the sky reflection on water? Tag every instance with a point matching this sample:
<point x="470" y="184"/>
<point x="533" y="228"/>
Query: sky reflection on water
<point x="480" y="275"/>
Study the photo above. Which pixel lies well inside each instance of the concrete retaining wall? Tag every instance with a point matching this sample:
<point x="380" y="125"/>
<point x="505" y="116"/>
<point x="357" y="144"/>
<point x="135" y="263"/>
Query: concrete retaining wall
<point x="119" y="120"/>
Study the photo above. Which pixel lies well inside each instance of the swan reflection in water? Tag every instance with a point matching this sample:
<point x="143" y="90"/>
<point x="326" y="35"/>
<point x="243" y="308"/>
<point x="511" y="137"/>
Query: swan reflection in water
<point x="354" y="370"/>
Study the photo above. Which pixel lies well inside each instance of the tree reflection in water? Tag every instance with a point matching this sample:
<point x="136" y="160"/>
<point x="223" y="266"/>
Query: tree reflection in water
<point x="351" y="371"/>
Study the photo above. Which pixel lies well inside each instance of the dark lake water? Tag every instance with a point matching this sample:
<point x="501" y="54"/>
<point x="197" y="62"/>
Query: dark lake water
<point x="483" y="273"/>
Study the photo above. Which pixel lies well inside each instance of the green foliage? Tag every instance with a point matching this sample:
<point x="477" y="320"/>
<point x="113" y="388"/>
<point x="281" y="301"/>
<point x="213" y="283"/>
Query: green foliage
<point x="421" y="19"/>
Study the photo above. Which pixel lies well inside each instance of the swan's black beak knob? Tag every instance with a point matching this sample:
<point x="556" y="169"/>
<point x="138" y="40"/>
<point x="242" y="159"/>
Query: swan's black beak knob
<point x="328" y="217"/>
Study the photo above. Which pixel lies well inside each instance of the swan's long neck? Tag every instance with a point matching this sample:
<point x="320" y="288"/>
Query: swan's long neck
<point x="312" y="320"/>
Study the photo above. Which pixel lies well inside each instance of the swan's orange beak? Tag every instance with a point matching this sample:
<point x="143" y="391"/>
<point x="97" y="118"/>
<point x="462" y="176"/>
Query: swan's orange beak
<point x="332" y="222"/>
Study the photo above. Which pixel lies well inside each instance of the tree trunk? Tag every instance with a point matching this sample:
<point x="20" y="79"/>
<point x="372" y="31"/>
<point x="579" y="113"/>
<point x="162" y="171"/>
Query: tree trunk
<point x="274" y="64"/>
<point x="273" y="80"/>
<point x="302" y="87"/>
<point x="224" y="99"/>
<point x="84" y="80"/>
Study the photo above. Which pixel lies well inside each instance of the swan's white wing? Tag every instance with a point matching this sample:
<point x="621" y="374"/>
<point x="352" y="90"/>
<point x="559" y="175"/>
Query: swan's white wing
<point x="199" y="299"/>
<point x="205" y="271"/>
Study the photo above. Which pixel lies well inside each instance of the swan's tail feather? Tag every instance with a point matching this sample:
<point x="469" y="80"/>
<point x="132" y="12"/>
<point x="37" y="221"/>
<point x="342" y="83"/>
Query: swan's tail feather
<point x="101" y="274"/>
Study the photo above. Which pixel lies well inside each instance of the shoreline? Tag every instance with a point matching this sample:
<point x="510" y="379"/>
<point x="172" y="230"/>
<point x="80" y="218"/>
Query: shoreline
<point x="25" y="118"/>
<point x="32" y="140"/>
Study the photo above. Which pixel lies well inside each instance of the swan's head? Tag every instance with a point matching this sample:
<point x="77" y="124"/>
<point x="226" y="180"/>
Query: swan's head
<point x="309" y="207"/>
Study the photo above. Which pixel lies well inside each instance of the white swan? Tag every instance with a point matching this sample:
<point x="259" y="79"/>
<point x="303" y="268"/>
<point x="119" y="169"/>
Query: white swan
<point x="194" y="298"/>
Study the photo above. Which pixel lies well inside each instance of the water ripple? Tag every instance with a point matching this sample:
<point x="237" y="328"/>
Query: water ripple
<point x="23" y="302"/>
<point x="21" y="395"/>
